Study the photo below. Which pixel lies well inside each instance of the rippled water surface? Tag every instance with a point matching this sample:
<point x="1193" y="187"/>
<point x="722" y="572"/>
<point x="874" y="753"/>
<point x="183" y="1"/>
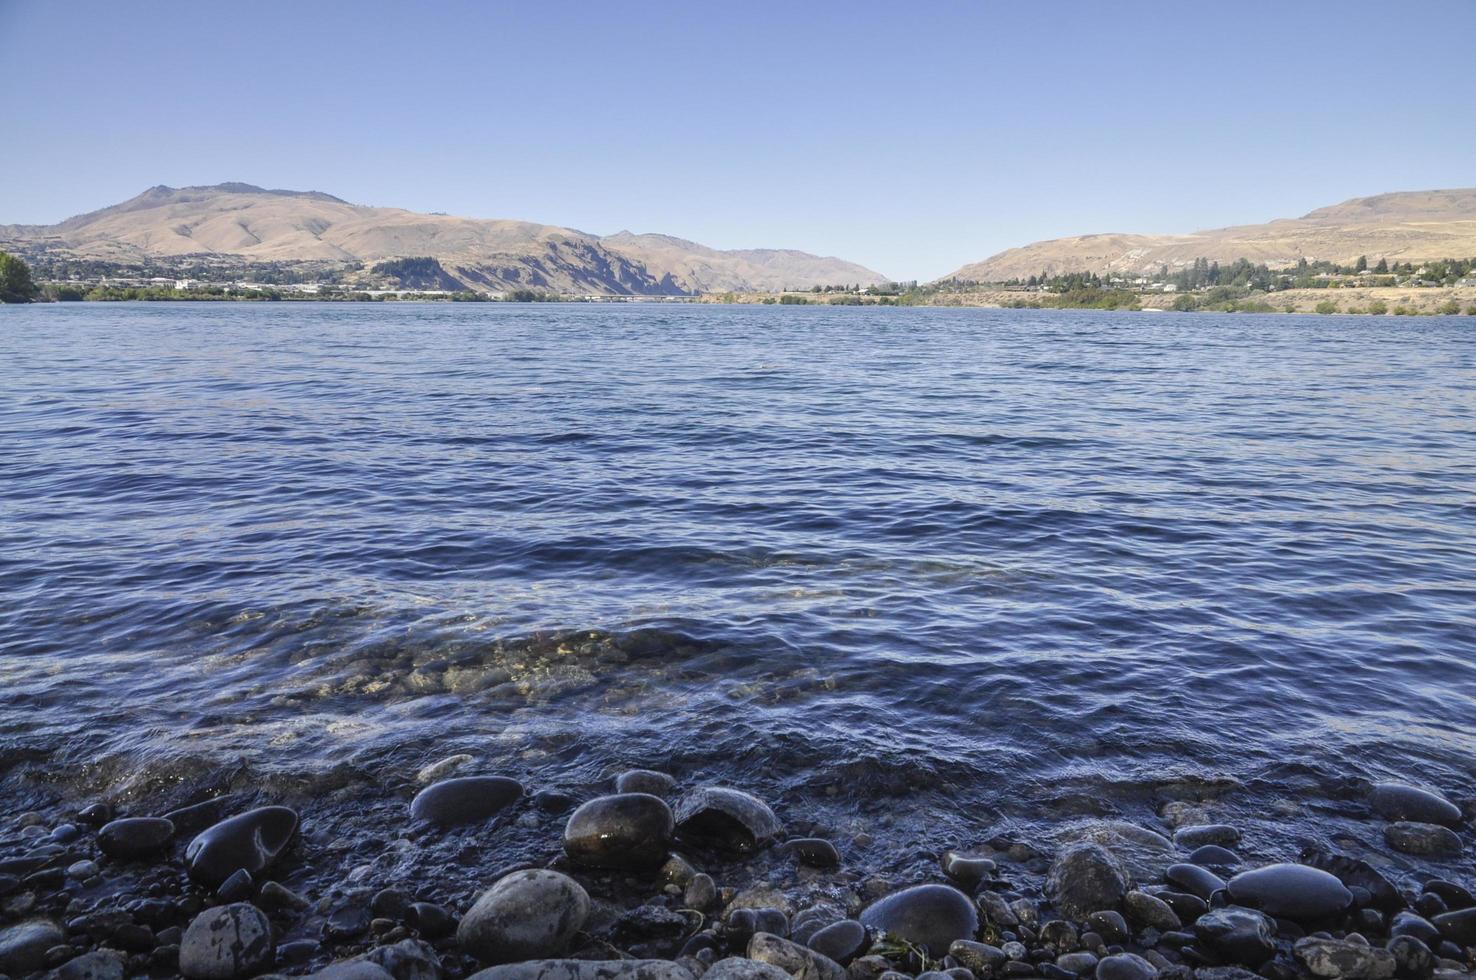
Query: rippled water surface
<point x="1012" y="563"/>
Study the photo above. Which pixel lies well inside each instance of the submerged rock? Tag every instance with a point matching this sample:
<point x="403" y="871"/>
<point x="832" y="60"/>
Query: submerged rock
<point x="1086" y="878"/>
<point x="815" y="852"/>
<point x="1339" y="959"/>
<point x="1426" y="839"/>
<point x="249" y="841"/>
<point x="932" y="916"/>
<point x="464" y="800"/>
<point x="1291" y="891"/>
<point x="226" y="943"/>
<point x="1236" y="935"/>
<point x="725" y="819"/>
<point x="1199" y="835"/>
<point x="527" y="915"/>
<point x="644" y="781"/>
<point x="626" y="830"/>
<point x="1396" y="801"/>
<point x="135" y="837"/>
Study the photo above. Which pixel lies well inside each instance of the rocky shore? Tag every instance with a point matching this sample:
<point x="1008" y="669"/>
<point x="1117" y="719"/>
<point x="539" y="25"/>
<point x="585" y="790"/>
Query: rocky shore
<point x="655" y="880"/>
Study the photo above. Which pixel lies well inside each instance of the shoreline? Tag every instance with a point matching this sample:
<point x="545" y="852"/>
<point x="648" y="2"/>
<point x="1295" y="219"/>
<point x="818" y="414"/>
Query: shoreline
<point x="453" y="872"/>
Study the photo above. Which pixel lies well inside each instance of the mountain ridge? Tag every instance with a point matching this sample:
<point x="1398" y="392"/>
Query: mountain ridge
<point x="1399" y="225"/>
<point x="257" y="224"/>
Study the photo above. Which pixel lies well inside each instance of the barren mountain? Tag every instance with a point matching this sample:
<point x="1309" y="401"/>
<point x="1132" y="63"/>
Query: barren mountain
<point x="1409" y="226"/>
<point x="492" y="254"/>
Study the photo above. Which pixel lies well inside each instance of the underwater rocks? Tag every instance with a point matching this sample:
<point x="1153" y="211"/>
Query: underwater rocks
<point x="250" y="841"/>
<point x="1291" y="891"/>
<point x="1086" y="878"/>
<point x="1396" y="801"/>
<point x="226" y="943"/>
<point x="135" y="837"/>
<point x="626" y="830"/>
<point x="464" y="800"/>
<point x="525" y="916"/>
<point x="931" y="916"/>
<point x="1426" y="839"/>
<point x="728" y="820"/>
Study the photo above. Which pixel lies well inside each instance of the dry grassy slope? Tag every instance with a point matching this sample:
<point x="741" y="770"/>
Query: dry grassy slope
<point x="1409" y="226"/>
<point x="263" y="225"/>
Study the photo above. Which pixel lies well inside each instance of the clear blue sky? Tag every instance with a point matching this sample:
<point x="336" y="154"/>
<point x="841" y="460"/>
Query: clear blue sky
<point x="912" y="137"/>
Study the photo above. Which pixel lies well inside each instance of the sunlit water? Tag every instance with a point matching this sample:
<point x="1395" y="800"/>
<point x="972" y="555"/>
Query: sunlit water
<point x="972" y="567"/>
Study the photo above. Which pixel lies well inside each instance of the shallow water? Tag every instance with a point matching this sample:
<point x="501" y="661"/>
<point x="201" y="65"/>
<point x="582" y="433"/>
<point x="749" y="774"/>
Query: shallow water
<point x="939" y="570"/>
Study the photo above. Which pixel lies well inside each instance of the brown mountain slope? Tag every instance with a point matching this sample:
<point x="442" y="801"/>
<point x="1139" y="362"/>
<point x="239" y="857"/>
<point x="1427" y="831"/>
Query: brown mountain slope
<point x="272" y="225"/>
<point x="1408" y="226"/>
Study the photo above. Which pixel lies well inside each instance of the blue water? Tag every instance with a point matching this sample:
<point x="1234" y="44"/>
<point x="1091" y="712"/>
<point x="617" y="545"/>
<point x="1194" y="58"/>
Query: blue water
<point x="962" y="565"/>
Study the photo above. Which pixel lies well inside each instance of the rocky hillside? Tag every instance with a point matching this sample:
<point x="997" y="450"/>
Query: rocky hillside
<point x="254" y="224"/>
<point x="1410" y="227"/>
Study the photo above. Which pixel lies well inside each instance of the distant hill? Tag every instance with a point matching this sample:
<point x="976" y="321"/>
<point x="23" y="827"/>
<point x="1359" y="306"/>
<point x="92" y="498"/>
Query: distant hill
<point x="259" y="225"/>
<point x="1408" y="226"/>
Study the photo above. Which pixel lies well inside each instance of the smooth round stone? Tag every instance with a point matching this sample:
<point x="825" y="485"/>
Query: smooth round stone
<point x="100" y="964"/>
<point x="1187" y="907"/>
<point x="842" y="941"/>
<point x="1077" y="964"/>
<point x="82" y="870"/>
<point x="1086" y="878"/>
<point x="1214" y="856"/>
<point x="1236" y="935"/>
<point x="468" y="799"/>
<point x="527" y="915"/>
<point x="742" y="968"/>
<point x="65" y="833"/>
<point x="1459" y="927"/>
<point x="1425" y="839"/>
<point x="725" y="819"/>
<point x="1199" y="882"/>
<point x="23" y="947"/>
<point x="135" y="837"/>
<point x="1454" y="896"/>
<point x="814" y="852"/>
<point x="1110" y="925"/>
<point x="1291" y="891"/>
<point x="1413" y="960"/>
<point x="966" y="869"/>
<point x="1410" y="924"/>
<point x="981" y="959"/>
<point x="1125" y="966"/>
<point x="792" y="958"/>
<point x="701" y="892"/>
<point x="96" y="815"/>
<point x="1058" y="936"/>
<point x="431" y="921"/>
<point x="1356" y="874"/>
<point x="249" y="841"/>
<point x="627" y="830"/>
<point x="645" y="781"/>
<point x="226" y="943"/>
<point x="1151" y="911"/>
<point x="932" y="916"/>
<point x="1396" y="801"/>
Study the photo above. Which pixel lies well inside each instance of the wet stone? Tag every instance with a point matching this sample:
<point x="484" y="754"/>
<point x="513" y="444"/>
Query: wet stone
<point x="701" y="893"/>
<point x="741" y="968"/>
<point x="226" y="943"/>
<point x="843" y="940"/>
<point x="465" y="800"/>
<point x="1397" y="801"/>
<point x="998" y="910"/>
<point x="237" y="888"/>
<point x="1458" y="927"/>
<point x="1059" y="936"/>
<point x="1413" y="959"/>
<point x="1236" y="935"/>
<point x="197" y="816"/>
<point x="1110" y="925"/>
<point x="1410" y="924"/>
<point x="95" y="815"/>
<point x="1291" y="891"/>
<point x="1214" y="856"/>
<point x="1187" y="907"/>
<point x="101" y="964"/>
<point x="1199" y="835"/>
<point x="1355" y="874"/>
<point x="645" y="781"/>
<point x="1454" y="896"/>
<point x="800" y="962"/>
<point x="408" y="959"/>
<point x="1125" y="966"/>
<point x="1086" y="878"/>
<point x="724" y="819"/>
<point x="932" y="916"/>
<point x="966" y="870"/>
<point x="1195" y="880"/>
<point x="626" y="830"/>
<point x="347" y="922"/>
<point x="1077" y="964"/>
<point x="1151" y="911"/>
<point x="250" y="841"/>
<point x="1340" y="959"/>
<point x="135" y="837"/>
<point x="1425" y="839"/>
<point x="278" y="897"/>
<point x="982" y="959"/>
<point x="813" y="852"/>
<point x="23" y="946"/>
<point x="430" y="920"/>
